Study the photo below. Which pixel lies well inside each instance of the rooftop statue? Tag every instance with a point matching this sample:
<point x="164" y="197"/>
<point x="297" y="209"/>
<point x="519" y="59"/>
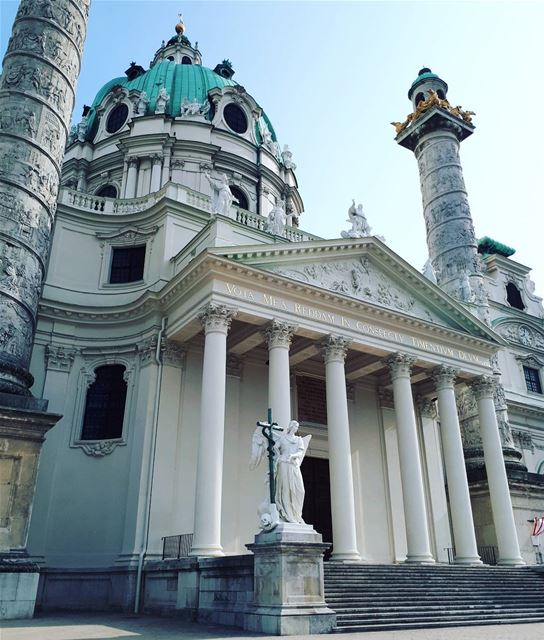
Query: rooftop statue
<point x="222" y="196"/>
<point x="286" y="451"/>
<point x="359" y="225"/>
<point x="277" y="219"/>
<point x="287" y="157"/>
<point x="162" y="101"/>
<point x="141" y="105"/>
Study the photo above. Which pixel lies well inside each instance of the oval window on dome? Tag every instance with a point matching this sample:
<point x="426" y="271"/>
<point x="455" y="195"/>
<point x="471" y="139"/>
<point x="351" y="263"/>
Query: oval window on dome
<point x="117" y="118"/>
<point x="235" y="118"/>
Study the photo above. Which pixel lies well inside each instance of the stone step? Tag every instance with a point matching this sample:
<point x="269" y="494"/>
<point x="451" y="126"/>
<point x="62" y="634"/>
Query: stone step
<point x="430" y="625"/>
<point x="371" y="611"/>
<point x="434" y="614"/>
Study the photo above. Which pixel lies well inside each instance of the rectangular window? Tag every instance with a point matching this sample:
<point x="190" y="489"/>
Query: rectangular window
<point x="532" y="379"/>
<point x="311" y="400"/>
<point x="127" y="264"/>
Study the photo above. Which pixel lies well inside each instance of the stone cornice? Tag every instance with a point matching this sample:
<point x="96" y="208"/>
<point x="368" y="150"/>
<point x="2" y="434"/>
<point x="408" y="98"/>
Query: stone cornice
<point x="393" y="264"/>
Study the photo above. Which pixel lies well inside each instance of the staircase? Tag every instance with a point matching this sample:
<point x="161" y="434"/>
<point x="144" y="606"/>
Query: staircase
<point x="389" y="597"/>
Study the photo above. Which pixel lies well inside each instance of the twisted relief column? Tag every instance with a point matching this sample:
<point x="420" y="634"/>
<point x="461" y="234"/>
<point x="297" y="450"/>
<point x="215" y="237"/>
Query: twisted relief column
<point x="415" y="512"/>
<point x="278" y="337"/>
<point x="341" y="475"/>
<point x="216" y="320"/>
<point x="37" y="88"/>
<point x="499" y="492"/>
<point x="466" y="551"/>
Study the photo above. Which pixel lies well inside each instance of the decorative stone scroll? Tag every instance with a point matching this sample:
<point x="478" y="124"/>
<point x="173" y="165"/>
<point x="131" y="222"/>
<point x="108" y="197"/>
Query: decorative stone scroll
<point x="36" y="100"/>
<point x="400" y="365"/>
<point x="523" y="334"/>
<point x="279" y="334"/>
<point x="216" y="317"/>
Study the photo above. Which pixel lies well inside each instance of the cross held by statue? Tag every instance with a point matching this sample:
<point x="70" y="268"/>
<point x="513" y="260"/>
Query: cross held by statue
<point x="267" y="428"/>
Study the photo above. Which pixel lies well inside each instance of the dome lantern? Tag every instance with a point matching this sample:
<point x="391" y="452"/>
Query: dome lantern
<point x="425" y="81"/>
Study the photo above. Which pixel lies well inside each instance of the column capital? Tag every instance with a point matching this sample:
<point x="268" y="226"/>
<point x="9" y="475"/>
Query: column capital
<point x="427" y="407"/>
<point x="335" y="348"/>
<point x="444" y="376"/>
<point x="483" y="387"/>
<point x="216" y="318"/>
<point x="132" y="161"/>
<point x="173" y="354"/>
<point x="400" y="365"/>
<point x="156" y="158"/>
<point x="279" y="334"/>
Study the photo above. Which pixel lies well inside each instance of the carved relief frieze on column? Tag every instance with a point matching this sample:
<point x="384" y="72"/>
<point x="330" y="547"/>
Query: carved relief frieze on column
<point x="37" y="90"/>
<point x="216" y="317"/>
<point x="279" y="334"/>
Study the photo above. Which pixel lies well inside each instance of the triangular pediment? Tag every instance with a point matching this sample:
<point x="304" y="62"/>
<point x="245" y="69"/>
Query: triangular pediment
<point x="365" y="270"/>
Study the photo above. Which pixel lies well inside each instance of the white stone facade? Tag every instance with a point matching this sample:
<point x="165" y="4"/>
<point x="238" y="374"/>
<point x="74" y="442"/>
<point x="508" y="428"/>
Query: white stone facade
<point x="200" y="338"/>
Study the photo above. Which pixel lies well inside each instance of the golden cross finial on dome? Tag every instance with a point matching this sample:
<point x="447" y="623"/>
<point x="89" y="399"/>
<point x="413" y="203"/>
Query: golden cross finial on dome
<point x="180" y="27"/>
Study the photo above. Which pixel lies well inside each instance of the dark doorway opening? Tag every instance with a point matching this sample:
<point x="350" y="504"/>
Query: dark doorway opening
<point x="317" y="501"/>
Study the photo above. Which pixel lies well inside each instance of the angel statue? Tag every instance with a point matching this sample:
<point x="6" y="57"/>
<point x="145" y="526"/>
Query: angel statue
<point x="277" y="219"/>
<point x="286" y="486"/>
<point x="359" y="225"/>
<point x="222" y="195"/>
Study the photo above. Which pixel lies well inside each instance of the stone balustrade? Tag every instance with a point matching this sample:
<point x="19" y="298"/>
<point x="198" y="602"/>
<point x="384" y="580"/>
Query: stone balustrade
<point x="120" y="207"/>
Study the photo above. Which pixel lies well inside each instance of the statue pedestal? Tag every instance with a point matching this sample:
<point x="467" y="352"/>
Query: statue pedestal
<point x="288" y="596"/>
<point x="23" y="425"/>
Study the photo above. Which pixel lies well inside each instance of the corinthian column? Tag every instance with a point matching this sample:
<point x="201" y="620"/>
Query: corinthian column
<point x="216" y="320"/>
<point x="278" y="337"/>
<point x="37" y="88"/>
<point x="466" y="551"/>
<point x="415" y="512"/>
<point x="342" y="495"/>
<point x="499" y="492"/>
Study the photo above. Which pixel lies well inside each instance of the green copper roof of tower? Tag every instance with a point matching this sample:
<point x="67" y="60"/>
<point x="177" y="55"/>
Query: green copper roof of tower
<point x="180" y="80"/>
<point x="424" y="76"/>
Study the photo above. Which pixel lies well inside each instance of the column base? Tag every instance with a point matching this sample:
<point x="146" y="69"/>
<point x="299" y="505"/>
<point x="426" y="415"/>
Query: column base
<point x="350" y="556"/>
<point x="511" y="562"/>
<point x="207" y="552"/>
<point x="420" y="560"/>
<point x="469" y="561"/>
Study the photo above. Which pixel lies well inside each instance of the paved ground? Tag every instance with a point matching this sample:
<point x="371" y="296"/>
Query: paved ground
<point x="111" y="626"/>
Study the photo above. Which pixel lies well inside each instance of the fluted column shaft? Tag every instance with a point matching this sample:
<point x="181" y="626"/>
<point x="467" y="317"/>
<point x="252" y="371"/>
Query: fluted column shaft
<point x="37" y="90"/>
<point x="216" y="321"/>
<point x="466" y="550"/>
<point x="341" y="474"/>
<point x="499" y="492"/>
<point x="278" y="336"/>
<point x="156" y="173"/>
<point x="415" y="512"/>
<point x="132" y="178"/>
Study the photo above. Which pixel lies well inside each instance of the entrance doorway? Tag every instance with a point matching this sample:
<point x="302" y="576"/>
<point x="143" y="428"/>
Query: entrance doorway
<point x="317" y="501"/>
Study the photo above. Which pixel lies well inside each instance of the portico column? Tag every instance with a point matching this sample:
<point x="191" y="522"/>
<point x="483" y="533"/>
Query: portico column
<point x="501" y="504"/>
<point x="216" y="320"/>
<point x="156" y="173"/>
<point x="415" y="513"/>
<point x="278" y="336"/>
<point x="132" y="174"/>
<point x="341" y="475"/>
<point x="466" y="551"/>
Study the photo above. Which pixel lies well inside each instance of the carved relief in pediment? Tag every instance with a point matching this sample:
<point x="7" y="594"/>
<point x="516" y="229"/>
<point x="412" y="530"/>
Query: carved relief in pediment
<point x="522" y="334"/>
<point x="358" y="279"/>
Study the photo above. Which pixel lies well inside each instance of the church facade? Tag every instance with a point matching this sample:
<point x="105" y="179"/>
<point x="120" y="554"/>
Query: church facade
<point x="183" y="299"/>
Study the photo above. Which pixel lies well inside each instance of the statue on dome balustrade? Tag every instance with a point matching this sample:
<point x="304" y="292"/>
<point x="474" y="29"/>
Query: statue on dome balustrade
<point x="222" y="196"/>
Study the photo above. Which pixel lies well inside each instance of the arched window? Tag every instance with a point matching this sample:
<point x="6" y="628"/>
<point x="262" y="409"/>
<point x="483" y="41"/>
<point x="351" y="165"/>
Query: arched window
<point x="540" y="468"/>
<point x="107" y="191"/>
<point x="419" y="98"/>
<point x="105" y="404"/>
<point x="186" y="60"/>
<point x="441" y="94"/>
<point x="171" y="58"/>
<point x="240" y="196"/>
<point x="513" y="296"/>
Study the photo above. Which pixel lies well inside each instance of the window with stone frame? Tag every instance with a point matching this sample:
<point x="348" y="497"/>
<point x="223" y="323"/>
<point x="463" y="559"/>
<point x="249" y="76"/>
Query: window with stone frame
<point x="513" y="296"/>
<point x="127" y="264"/>
<point x="105" y="404"/>
<point x="532" y="379"/>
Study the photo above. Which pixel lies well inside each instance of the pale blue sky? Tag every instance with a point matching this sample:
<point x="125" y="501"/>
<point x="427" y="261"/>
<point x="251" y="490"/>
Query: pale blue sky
<point x="333" y="75"/>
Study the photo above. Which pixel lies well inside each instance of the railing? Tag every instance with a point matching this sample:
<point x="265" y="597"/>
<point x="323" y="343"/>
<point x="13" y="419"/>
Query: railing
<point x="174" y="547"/>
<point x="176" y="192"/>
<point x="488" y="554"/>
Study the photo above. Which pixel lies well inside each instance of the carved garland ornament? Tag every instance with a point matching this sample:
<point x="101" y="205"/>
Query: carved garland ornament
<point x="522" y="334"/>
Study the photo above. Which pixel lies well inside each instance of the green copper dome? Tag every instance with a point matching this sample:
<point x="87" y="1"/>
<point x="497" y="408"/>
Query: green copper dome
<point x="180" y="80"/>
